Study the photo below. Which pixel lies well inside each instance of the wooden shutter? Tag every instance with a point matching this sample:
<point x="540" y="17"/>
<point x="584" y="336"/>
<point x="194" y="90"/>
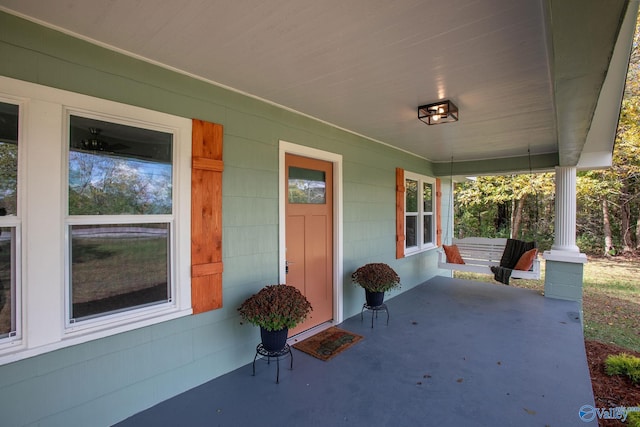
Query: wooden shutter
<point x="206" y="216"/>
<point x="400" y="237"/>
<point x="438" y="212"/>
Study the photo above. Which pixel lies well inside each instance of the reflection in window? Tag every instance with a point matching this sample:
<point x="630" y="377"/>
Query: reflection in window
<point x="411" y="209"/>
<point x="118" y="267"/>
<point x="306" y="186"/>
<point x="7" y="282"/>
<point x="427" y="213"/>
<point x="427" y="229"/>
<point x="116" y="172"/>
<point x="116" y="169"/>
<point x="9" y="222"/>
<point x="427" y="197"/>
<point x="8" y="159"/>
<point x="411" y="231"/>
<point x="411" y="195"/>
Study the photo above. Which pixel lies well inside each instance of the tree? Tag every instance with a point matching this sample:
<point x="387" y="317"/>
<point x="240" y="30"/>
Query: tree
<point x="596" y="193"/>
<point x="622" y="186"/>
<point x="108" y="185"/>
<point x="608" y="199"/>
<point x="505" y="206"/>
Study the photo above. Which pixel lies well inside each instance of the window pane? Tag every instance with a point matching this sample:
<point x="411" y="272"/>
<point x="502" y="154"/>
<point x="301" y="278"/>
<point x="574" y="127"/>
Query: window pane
<point x="118" y="267"/>
<point x="411" y="195"/>
<point x="411" y="227"/>
<point x="7" y="282"/>
<point x="306" y="186"/>
<point x="8" y="158"/>
<point x="428" y="230"/>
<point x="116" y="169"/>
<point x="427" y="197"/>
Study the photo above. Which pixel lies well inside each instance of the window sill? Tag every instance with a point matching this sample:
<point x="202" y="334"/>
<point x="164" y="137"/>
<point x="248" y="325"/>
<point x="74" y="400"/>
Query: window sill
<point x="420" y="251"/>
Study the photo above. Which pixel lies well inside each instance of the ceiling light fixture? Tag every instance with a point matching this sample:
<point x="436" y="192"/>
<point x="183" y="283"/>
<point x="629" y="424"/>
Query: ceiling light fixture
<point x="93" y="143"/>
<point x="443" y="111"/>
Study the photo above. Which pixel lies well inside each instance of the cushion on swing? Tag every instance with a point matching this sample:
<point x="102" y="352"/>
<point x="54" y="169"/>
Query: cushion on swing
<point x="453" y="254"/>
<point x="513" y="251"/>
<point x="526" y="260"/>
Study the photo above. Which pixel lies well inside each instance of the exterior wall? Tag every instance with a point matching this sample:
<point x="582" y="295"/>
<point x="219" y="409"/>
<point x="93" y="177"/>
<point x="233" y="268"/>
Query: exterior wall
<point x="106" y="380"/>
<point x="563" y="280"/>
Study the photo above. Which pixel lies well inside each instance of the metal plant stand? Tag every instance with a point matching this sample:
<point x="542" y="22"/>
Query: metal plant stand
<point x="374" y="311"/>
<point x="261" y="351"/>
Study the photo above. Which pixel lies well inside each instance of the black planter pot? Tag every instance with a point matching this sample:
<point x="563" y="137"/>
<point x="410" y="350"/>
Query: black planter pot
<point x="274" y="341"/>
<point x="374" y="299"/>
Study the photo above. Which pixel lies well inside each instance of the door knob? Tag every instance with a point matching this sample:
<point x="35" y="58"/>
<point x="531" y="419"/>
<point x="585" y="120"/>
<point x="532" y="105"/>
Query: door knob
<point x="286" y="266"/>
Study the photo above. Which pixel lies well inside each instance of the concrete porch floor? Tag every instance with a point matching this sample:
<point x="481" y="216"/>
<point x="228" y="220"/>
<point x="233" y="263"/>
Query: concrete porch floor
<point x="455" y="353"/>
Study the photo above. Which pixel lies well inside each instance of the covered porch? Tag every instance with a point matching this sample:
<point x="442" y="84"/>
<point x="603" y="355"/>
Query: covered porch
<point x="454" y="353"/>
<point x="538" y="85"/>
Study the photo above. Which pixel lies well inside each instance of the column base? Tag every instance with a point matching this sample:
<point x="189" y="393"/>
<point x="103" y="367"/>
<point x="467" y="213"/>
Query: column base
<point x="574" y="257"/>
<point x="564" y="275"/>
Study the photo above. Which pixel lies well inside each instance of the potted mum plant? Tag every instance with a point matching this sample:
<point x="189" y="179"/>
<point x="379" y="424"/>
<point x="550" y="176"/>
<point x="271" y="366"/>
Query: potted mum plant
<point x="275" y="309"/>
<point x="376" y="279"/>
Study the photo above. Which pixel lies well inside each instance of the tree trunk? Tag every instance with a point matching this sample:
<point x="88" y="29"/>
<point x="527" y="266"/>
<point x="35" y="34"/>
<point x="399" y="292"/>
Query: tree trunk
<point x="625" y="222"/>
<point x="502" y="216"/>
<point x="638" y="233"/>
<point x="606" y="224"/>
<point x="517" y="218"/>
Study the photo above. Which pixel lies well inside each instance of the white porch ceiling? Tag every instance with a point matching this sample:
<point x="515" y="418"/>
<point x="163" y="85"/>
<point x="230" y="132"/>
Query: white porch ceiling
<point x="526" y="74"/>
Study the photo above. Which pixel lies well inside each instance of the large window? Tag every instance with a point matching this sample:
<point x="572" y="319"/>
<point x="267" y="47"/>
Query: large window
<point x="95" y="208"/>
<point x="9" y="223"/>
<point x="120" y="218"/>
<point x="419" y="212"/>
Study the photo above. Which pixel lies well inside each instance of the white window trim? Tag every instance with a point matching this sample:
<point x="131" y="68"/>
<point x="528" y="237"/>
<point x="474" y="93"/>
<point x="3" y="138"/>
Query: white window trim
<point x="42" y="209"/>
<point x="421" y="247"/>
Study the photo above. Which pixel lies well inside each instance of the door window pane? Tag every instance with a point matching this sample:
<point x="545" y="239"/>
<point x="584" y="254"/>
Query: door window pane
<point x="118" y="267"/>
<point x="306" y="186"/>
<point x="8" y="158"/>
<point x="116" y="169"/>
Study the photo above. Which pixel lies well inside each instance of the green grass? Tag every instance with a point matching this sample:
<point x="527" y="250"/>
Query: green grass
<point x="105" y="268"/>
<point x="611" y="299"/>
<point x="611" y="302"/>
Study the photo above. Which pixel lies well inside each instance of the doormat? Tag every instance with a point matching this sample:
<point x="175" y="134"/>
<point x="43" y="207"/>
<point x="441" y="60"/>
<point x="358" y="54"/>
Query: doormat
<point x="328" y="343"/>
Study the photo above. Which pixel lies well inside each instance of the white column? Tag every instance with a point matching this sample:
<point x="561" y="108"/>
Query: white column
<point x="565" y="225"/>
<point x="564" y="247"/>
<point x="564" y="262"/>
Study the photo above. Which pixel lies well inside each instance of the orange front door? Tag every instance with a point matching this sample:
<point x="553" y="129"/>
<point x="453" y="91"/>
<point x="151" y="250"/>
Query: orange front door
<point x="309" y="235"/>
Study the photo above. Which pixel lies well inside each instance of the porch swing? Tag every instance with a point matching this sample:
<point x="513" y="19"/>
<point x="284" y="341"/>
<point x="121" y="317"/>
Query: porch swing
<point x="505" y="258"/>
